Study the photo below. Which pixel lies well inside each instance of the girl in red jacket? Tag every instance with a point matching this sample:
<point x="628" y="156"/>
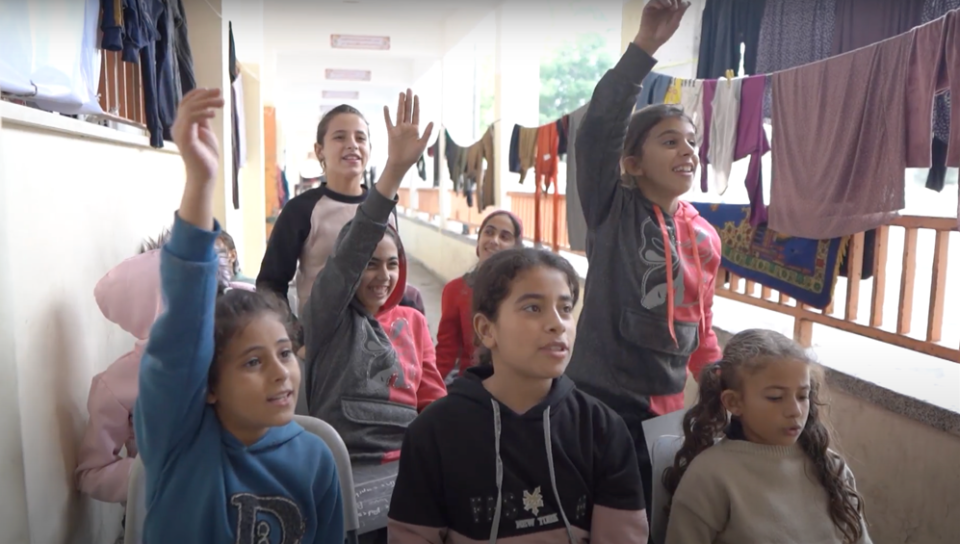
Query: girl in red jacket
<point x="499" y="230"/>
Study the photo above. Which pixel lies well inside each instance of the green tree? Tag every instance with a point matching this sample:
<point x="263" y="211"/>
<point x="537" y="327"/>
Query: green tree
<point x="569" y="74"/>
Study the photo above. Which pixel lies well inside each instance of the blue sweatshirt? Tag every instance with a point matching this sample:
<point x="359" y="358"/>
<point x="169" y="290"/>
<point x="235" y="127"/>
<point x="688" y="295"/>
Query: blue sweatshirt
<point x="202" y="484"/>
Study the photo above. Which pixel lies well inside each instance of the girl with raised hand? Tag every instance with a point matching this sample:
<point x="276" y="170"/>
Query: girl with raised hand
<point x="224" y="462"/>
<point x="516" y="452"/>
<point x="647" y="309"/>
<point x="370" y="363"/>
<point x="500" y="229"/>
<point x="766" y="474"/>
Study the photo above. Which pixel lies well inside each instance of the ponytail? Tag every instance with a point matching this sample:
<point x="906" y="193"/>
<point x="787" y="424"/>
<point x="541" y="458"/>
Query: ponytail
<point x="702" y="425"/>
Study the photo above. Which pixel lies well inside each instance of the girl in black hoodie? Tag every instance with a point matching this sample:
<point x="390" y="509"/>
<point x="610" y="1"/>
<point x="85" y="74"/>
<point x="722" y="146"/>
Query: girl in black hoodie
<point x="515" y="451"/>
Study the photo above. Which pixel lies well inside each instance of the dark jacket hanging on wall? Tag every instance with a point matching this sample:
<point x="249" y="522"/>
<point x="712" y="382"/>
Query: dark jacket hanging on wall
<point x="725" y="25"/>
<point x="859" y="23"/>
<point x="184" y="55"/>
<point x="234" y="71"/>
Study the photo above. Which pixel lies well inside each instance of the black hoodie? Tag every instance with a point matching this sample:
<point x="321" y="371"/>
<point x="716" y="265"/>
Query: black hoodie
<point x="472" y="470"/>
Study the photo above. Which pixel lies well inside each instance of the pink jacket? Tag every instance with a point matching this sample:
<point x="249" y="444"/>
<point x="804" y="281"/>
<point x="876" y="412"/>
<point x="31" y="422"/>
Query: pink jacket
<point x="128" y="295"/>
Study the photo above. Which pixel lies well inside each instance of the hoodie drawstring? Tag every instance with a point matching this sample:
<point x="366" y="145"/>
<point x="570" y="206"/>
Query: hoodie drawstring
<point x="668" y="256"/>
<point x="496" y="442"/>
<point x="494" y="529"/>
<point x="553" y="474"/>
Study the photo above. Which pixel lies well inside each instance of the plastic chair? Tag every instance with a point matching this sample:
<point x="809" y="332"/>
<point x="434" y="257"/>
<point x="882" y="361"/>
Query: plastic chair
<point x="664" y="437"/>
<point x="664" y="452"/>
<point x="136" y="508"/>
<point x="351" y="520"/>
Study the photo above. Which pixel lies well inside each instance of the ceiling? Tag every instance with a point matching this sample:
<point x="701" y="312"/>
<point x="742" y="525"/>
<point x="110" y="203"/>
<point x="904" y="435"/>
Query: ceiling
<point x="420" y="31"/>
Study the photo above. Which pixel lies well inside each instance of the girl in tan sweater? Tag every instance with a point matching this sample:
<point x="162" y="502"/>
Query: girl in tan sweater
<point x="771" y="476"/>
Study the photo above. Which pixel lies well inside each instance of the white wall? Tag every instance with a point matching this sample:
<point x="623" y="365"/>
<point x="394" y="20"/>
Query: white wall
<point x="71" y="207"/>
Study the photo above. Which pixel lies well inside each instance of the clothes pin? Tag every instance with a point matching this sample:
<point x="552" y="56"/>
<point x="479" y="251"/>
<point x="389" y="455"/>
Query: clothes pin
<point x="729" y="76"/>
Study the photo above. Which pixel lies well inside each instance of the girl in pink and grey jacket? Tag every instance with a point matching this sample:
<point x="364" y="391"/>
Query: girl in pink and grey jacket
<point x="128" y="295"/>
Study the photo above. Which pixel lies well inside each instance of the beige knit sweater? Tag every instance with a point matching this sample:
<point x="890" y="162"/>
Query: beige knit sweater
<point x="739" y="492"/>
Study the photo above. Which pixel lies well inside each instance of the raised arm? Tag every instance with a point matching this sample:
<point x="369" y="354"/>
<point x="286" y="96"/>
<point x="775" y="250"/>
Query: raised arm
<point x="600" y="137"/>
<point x="337" y="283"/>
<point x="174" y="368"/>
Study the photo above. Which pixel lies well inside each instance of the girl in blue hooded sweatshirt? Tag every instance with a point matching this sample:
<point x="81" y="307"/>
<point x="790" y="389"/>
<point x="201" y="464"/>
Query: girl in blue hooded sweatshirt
<point x="224" y="460"/>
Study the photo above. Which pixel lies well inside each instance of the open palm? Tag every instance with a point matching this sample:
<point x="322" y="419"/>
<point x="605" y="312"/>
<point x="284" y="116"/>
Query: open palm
<point x="661" y="19"/>
<point x="405" y="143"/>
<point x="194" y="135"/>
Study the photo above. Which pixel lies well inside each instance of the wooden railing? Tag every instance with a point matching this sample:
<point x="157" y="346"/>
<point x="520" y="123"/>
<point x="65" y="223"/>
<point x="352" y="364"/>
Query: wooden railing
<point x="843" y="314"/>
<point x="121" y="89"/>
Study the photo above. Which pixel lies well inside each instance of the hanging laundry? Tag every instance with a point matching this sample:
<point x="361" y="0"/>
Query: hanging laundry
<point x="934" y="9"/>
<point x="723" y="130"/>
<point x="233" y="70"/>
<point x="794" y="33"/>
<point x="181" y="48"/>
<point x="691" y="100"/>
<point x="548" y="162"/>
<point x="726" y="24"/>
<point x="528" y="150"/>
<point x="839" y="157"/>
<point x="673" y="91"/>
<point x="476" y="175"/>
<point x="562" y="135"/>
<point x="514" y="164"/>
<point x="653" y="89"/>
<point x="576" y="223"/>
<point x="422" y="168"/>
<point x="707" y="91"/>
<point x="797" y="267"/>
<point x="752" y="142"/>
<point x="855" y="28"/>
<point x="865" y="22"/>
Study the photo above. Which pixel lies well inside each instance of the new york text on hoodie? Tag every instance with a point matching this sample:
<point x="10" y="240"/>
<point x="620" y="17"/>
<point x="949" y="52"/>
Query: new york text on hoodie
<point x="648" y="296"/>
<point x="473" y="471"/>
<point x="128" y="295"/>
<point x="367" y="376"/>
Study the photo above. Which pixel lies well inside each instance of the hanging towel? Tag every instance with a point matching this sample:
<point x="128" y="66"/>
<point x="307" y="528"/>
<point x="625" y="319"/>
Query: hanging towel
<point x="576" y="223"/>
<point x="723" y="130"/>
<point x="548" y="163"/>
<point x="794" y="33"/>
<point x="653" y="89"/>
<point x="752" y="142"/>
<point x="725" y="25"/>
<point x="707" y="91"/>
<point x="850" y="177"/>
<point x="691" y="100"/>
<point x="528" y="150"/>
<point x="865" y="22"/>
<point x="515" y="150"/>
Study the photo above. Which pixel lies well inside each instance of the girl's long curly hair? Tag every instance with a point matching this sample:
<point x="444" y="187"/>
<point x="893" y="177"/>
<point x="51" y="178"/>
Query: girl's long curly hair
<point x="746" y="353"/>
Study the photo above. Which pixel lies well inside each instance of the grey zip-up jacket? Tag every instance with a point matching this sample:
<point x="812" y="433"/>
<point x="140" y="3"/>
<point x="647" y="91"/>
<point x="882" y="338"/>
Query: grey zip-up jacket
<point x="625" y="350"/>
<point x="366" y="375"/>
